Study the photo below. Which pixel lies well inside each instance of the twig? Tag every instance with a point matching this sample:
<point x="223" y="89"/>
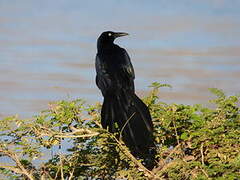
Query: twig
<point x="77" y="136"/>
<point x="45" y="174"/>
<point x="168" y="156"/>
<point x="204" y="172"/>
<point x="85" y="133"/>
<point x="126" y="123"/>
<point x="56" y="174"/>
<point x="202" y="155"/>
<point x="61" y="167"/>
<point x="71" y="174"/>
<point x="16" y="170"/>
<point x="167" y="166"/>
<point x="98" y="124"/>
<point x="175" y="129"/>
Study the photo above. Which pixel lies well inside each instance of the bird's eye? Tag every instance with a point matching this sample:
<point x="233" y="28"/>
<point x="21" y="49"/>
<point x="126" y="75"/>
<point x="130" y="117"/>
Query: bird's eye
<point x="109" y="34"/>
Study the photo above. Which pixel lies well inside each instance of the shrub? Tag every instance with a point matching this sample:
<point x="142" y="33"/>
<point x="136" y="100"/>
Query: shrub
<point x="194" y="142"/>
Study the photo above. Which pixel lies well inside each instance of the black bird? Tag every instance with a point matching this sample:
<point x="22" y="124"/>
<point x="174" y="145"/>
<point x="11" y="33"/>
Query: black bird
<point x="122" y="110"/>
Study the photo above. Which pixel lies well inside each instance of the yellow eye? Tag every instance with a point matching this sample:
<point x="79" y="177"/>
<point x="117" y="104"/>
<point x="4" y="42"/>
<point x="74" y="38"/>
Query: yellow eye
<point x="109" y="34"/>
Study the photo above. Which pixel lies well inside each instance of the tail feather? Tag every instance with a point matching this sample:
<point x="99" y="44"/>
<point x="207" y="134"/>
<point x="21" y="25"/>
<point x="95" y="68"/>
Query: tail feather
<point x="133" y="122"/>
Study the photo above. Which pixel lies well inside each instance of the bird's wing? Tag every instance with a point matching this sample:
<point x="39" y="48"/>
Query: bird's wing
<point x="127" y="67"/>
<point x="103" y="80"/>
<point x="122" y="78"/>
<point x="127" y="71"/>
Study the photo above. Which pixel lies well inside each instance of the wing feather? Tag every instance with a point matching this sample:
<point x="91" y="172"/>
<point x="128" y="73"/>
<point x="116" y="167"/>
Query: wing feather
<point x="103" y="79"/>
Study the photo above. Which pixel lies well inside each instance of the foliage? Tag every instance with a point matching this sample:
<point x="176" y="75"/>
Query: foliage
<point x="194" y="142"/>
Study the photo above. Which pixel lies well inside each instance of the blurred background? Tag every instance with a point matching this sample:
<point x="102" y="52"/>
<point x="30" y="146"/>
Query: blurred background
<point x="48" y="48"/>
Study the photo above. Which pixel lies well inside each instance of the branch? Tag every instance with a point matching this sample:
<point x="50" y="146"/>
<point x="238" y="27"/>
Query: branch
<point x="85" y="133"/>
<point x="19" y="169"/>
<point x="124" y="149"/>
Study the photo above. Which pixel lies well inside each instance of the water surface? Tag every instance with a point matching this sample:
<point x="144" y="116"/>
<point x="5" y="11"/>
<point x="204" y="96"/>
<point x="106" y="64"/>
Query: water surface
<point x="47" y="49"/>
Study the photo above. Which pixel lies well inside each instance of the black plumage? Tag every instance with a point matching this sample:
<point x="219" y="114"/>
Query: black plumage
<point x="122" y="110"/>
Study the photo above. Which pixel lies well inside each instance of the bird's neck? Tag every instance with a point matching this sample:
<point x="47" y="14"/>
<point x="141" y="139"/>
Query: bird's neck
<point x="105" y="46"/>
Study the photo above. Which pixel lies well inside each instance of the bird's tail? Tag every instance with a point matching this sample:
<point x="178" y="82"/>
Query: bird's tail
<point x="124" y="112"/>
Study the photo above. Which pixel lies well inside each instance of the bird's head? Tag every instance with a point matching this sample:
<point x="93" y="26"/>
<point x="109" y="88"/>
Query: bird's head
<point x="108" y="37"/>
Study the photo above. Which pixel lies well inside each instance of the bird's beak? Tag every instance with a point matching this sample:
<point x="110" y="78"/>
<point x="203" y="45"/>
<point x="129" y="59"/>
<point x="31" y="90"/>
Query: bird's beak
<point x="119" y="34"/>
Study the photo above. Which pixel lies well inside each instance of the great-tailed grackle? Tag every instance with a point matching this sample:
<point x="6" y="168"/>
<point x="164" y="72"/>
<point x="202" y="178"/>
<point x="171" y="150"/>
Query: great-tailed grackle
<point x="122" y="110"/>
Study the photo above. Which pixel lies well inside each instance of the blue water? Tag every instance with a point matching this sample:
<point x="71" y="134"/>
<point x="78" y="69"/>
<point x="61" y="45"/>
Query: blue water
<point x="47" y="49"/>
